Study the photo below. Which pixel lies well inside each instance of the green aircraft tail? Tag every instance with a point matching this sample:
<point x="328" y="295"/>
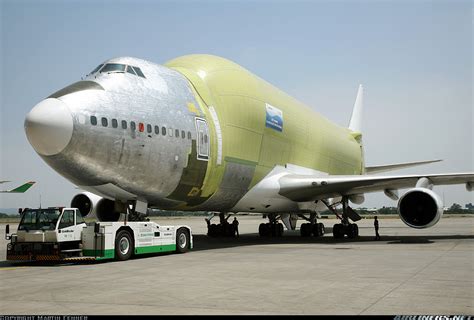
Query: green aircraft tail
<point x="21" y="189"/>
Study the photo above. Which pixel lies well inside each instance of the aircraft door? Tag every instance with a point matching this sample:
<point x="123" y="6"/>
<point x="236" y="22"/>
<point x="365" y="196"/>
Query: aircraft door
<point x="202" y="139"/>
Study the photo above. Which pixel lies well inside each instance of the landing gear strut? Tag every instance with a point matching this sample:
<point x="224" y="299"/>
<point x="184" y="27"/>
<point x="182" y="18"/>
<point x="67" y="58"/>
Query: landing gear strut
<point x="271" y="229"/>
<point x="313" y="227"/>
<point x="345" y="227"/>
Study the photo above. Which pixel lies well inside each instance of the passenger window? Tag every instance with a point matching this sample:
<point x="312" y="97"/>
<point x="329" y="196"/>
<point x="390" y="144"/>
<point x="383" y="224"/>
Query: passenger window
<point x="114" y="123"/>
<point x="157" y="130"/>
<point x="124" y="124"/>
<point x="132" y="126"/>
<point x="130" y="70"/>
<point x="79" y="218"/>
<point x="148" y="128"/>
<point x="189" y="135"/>
<point x="67" y="219"/>
<point x="176" y="133"/>
<point x="141" y="127"/>
<point x="104" y="122"/>
<point x="170" y="132"/>
<point x="139" y="72"/>
<point x="183" y="134"/>
<point x="163" y="131"/>
<point x="93" y="120"/>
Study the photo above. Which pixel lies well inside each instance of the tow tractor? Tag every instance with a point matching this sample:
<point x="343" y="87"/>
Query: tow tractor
<point x="61" y="234"/>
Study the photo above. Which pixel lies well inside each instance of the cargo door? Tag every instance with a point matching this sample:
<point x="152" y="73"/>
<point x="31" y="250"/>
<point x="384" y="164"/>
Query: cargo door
<point x="202" y="139"/>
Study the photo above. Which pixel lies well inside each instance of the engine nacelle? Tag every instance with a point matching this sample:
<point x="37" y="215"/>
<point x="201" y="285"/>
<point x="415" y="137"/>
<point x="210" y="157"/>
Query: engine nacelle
<point x="91" y="205"/>
<point x="420" y="208"/>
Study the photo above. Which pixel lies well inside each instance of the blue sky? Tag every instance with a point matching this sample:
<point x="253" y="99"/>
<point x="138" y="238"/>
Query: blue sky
<point x="414" y="59"/>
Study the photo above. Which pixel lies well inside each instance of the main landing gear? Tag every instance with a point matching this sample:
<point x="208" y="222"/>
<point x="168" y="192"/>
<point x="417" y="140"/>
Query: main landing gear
<point x="312" y="227"/>
<point x="223" y="229"/>
<point x="271" y="229"/>
<point x="345" y="228"/>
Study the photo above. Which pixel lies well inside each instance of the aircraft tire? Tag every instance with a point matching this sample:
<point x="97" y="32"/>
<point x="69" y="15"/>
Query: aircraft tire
<point x="305" y="229"/>
<point x="356" y="230"/>
<point x="338" y="231"/>
<point x="280" y="230"/>
<point x="321" y="229"/>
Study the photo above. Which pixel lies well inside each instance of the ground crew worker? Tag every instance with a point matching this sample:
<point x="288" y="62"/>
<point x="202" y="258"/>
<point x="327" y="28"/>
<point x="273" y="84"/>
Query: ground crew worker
<point x="376" y="226"/>
<point x="235" y="224"/>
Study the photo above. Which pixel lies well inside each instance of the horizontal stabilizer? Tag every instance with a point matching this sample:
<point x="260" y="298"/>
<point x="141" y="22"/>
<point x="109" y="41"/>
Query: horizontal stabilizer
<point x="397" y="166"/>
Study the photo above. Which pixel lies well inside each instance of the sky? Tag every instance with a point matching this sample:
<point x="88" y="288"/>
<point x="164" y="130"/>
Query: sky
<point x="414" y="59"/>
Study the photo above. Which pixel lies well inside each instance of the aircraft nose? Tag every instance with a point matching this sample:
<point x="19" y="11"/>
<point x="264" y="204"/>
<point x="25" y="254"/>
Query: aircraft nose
<point x="48" y="126"/>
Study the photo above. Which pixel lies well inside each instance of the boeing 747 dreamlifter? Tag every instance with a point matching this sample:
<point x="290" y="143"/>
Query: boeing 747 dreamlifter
<point x="202" y="133"/>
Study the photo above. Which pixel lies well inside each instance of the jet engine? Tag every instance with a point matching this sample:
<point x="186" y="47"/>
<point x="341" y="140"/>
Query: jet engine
<point x="420" y="208"/>
<point x="91" y="205"/>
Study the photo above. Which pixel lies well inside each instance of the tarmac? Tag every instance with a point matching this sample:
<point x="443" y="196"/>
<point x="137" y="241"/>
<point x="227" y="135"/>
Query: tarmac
<point x="407" y="272"/>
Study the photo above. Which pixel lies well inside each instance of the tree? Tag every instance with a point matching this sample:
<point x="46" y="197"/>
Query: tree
<point x="455" y="207"/>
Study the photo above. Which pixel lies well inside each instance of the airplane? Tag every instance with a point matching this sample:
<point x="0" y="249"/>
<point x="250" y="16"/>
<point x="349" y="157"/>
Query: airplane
<point x="202" y="133"/>
<point x="21" y="189"/>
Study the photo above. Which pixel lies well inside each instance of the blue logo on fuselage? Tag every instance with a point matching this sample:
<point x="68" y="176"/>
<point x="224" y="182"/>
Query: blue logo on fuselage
<point x="274" y="118"/>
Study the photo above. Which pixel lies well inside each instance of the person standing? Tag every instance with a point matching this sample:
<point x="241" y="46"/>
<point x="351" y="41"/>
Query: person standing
<point x="376" y="226"/>
<point x="235" y="224"/>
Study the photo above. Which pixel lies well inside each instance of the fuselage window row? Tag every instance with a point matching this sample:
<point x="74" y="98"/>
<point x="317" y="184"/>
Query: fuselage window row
<point x="141" y="127"/>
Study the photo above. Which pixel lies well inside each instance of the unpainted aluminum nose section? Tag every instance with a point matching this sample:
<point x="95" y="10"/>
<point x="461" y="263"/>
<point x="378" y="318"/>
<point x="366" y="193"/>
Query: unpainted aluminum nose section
<point x="48" y="126"/>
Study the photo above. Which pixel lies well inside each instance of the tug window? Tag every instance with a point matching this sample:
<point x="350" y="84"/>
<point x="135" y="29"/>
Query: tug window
<point x="105" y="123"/>
<point x="93" y="120"/>
<point x="124" y="124"/>
<point x="67" y="219"/>
<point x="183" y="134"/>
<point x="133" y="126"/>
<point x="114" y="123"/>
<point x="157" y="130"/>
<point x="205" y="138"/>
<point x="176" y="133"/>
<point x="148" y="128"/>
<point x="163" y="131"/>
<point x="189" y="135"/>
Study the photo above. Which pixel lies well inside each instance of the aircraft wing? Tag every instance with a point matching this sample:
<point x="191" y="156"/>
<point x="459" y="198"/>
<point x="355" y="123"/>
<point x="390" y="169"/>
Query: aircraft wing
<point x="21" y="189"/>
<point x="311" y="187"/>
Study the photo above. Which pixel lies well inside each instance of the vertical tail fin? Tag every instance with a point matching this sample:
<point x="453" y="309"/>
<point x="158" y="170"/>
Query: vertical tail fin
<point x="22" y="188"/>
<point x="356" y="119"/>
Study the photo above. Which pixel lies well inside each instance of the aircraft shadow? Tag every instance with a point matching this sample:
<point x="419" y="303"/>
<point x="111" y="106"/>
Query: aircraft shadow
<point x="203" y="242"/>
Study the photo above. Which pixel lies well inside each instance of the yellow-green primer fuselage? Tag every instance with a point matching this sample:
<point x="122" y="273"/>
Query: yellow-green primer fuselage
<point x="244" y="148"/>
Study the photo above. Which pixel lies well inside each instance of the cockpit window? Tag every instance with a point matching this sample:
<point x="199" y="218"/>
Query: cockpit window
<point x="138" y="72"/>
<point x="130" y="70"/>
<point x="113" y="67"/>
<point x="96" y="69"/>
